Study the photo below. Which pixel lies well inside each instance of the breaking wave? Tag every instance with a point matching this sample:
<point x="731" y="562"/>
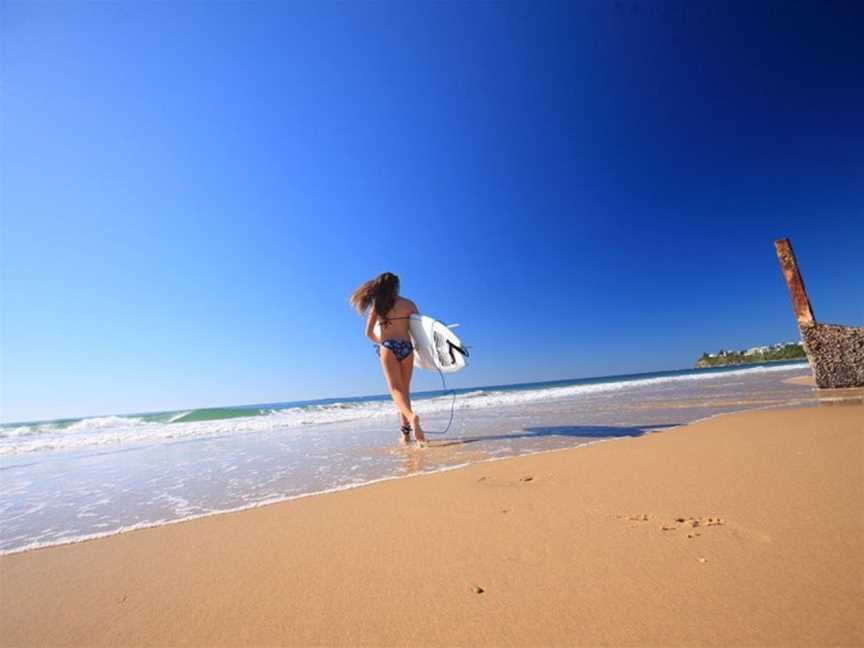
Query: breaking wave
<point x="200" y="423"/>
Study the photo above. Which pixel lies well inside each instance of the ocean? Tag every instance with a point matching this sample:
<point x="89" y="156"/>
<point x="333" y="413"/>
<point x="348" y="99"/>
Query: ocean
<point x="75" y="479"/>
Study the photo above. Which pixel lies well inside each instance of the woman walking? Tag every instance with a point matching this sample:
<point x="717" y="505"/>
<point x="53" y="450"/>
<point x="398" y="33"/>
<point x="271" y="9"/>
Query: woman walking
<point x="380" y="296"/>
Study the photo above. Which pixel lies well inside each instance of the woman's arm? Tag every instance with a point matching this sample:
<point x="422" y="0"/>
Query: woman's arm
<point x="370" y="326"/>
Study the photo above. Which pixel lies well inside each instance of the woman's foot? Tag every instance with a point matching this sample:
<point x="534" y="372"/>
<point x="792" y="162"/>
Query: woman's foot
<point x="405" y="439"/>
<point x="418" y="431"/>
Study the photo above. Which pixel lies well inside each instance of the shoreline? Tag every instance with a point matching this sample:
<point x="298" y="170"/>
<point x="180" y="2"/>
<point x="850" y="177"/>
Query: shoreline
<point x="336" y="489"/>
<point x="582" y="545"/>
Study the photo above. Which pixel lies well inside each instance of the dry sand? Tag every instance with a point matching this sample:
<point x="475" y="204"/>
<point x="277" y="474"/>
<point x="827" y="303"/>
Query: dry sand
<point x="809" y="381"/>
<point x="744" y="529"/>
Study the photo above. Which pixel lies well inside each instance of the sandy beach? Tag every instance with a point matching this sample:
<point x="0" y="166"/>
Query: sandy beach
<point x="745" y="529"/>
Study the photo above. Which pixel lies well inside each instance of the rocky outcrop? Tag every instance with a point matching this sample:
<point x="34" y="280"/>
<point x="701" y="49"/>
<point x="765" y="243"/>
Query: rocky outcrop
<point x="836" y="354"/>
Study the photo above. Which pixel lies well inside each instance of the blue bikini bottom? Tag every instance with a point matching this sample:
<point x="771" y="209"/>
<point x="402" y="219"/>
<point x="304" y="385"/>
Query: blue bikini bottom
<point x="400" y="348"/>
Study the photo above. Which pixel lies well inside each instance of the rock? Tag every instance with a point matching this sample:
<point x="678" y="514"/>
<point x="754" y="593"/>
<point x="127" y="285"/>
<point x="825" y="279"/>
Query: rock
<point x="836" y="354"/>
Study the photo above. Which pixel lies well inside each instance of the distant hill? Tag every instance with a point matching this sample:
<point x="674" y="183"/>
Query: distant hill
<point x="773" y="353"/>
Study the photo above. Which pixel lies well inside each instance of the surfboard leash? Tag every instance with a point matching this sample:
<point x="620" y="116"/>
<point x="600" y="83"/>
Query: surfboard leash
<point x="452" y="403"/>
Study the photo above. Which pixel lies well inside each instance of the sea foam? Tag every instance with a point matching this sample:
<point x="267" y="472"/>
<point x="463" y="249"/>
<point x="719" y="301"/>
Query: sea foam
<point x="192" y="424"/>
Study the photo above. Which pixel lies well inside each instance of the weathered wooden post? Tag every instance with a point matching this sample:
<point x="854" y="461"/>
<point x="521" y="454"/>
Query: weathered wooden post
<point x="789" y="266"/>
<point x="835" y="352"/>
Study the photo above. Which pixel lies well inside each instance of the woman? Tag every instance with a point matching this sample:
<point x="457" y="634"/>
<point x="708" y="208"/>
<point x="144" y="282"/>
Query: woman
<point x="392" y="312"/>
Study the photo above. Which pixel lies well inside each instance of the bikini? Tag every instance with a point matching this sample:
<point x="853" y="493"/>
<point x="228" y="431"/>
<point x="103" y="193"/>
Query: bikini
<point x="400" y="347"/>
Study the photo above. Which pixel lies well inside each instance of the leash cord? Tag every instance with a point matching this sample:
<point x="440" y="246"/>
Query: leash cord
<point x="452" y="403"/>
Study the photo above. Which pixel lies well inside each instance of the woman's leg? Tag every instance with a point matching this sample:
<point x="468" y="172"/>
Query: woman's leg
<point x="407" y="368"/>
<point x="393" y="375"/>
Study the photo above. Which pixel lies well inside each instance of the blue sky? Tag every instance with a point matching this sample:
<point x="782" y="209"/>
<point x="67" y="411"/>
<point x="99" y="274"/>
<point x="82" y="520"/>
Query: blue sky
<point x="190" y="191"/>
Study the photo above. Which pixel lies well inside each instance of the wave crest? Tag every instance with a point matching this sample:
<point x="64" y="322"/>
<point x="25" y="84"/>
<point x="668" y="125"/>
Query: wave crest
<point x="202" y="423"/>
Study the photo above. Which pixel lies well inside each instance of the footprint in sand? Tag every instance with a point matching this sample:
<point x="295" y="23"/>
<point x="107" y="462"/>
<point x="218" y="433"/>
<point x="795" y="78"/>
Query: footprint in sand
<point x="689" y="523"/>
<point x="697" y="526"/>
<point x="692" y="523"/>
<point x="527" y="478"/>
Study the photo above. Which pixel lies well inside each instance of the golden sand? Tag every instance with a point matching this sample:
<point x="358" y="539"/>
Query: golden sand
<point x="801" y="380"/>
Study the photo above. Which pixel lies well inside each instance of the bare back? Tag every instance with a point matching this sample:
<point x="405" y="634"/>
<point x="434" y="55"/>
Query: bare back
<point x="395" y="324"/>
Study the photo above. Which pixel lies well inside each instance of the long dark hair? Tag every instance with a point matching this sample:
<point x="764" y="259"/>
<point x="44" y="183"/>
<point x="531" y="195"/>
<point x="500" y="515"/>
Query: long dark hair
<point x="380" y="292"/>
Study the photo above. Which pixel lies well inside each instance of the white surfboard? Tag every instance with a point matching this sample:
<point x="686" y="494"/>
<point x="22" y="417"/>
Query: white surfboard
<point x="436" y="346"/>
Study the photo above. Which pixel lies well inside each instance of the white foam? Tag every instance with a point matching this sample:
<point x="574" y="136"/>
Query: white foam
<point x="506" y="398"/>
<point x="103" y="423"/>
<point x="112" y="430"/>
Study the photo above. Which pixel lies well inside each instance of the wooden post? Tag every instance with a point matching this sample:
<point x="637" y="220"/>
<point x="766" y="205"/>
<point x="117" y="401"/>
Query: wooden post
<point x="789" y="266"/>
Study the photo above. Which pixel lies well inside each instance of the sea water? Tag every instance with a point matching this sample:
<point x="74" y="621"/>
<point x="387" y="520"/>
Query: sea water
<point x="65" y="481"/>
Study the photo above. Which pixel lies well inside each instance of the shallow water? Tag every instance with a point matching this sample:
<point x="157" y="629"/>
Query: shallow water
<point x="71" y="481"/>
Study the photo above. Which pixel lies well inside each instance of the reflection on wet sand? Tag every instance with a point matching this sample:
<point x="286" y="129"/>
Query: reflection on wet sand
<point x="440" y="453"/>
<point x="740" y="403"/>
<point x="436" y="455"/>
<point x="831" y="397"/>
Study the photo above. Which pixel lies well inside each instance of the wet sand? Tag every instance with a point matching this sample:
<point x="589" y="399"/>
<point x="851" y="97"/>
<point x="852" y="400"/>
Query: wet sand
<point x="740" y="530"/>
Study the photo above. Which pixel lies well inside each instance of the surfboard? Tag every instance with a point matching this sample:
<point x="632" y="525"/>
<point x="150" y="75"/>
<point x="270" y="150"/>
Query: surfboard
<point x="436" y="346"/>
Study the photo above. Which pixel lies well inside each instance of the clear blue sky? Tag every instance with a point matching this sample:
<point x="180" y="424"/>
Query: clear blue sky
<point x="190" y="191"/>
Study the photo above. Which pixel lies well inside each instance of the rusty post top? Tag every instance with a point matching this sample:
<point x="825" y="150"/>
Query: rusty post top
<point x="789" y="266"/>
